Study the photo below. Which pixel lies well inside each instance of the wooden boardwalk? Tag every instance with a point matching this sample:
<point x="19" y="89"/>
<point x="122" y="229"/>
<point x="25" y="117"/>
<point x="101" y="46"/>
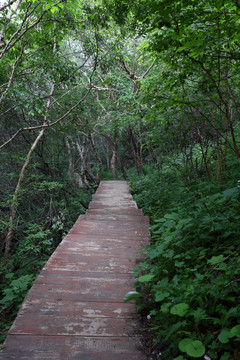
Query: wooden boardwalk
<point x="75" y="309"/>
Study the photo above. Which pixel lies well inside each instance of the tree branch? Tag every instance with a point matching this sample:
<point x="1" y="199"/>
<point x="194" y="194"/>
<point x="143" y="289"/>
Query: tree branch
<point x="9" y="45"/>
<point x="7" y="5"/>
<point x="45" y="126"/>
<point x="14" y="66"/>
<point x="236" y="3"/>
<point x="148" y="70"/>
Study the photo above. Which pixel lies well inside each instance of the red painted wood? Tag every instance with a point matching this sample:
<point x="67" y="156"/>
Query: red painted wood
<point x="75" y="308"/>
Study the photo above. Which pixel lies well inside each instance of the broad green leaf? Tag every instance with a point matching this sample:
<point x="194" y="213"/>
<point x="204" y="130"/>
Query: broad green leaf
<point x="131" y="295"/>
<point x="235" y="331"/>
<point x="194" y="348"/>
<point x="183" y="343"/>
<point x="161" y="295"/>
<point x="145" y="278"/>
<point x="179" y="309"/>
<point x="230" y="192"/>
<point x="224" y="336"/>
<point x="216" y="259"/>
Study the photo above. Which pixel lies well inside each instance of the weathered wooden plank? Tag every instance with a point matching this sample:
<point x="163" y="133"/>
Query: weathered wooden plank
<point x="74" y="325"/>
<point x="86" y="291"/>
<point x="48" y="307"/>
<point x="29" y="347"/>
<point x="114" y="210"/>
<point x="79" y="241"/>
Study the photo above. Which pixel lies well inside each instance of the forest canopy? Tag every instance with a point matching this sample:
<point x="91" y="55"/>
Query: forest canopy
<point x="146" y="91"/>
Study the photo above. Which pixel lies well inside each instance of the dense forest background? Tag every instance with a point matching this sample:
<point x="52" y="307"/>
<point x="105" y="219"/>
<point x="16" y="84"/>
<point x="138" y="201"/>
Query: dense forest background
<point x="146" y="91"/>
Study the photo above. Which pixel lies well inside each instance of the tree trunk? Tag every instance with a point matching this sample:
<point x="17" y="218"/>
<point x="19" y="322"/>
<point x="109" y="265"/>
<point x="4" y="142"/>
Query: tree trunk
<point x="71" y="168"/>
<point x="114" y="158"/>
<point x="122" y="167"/>
<point x="70" y="159"/>
<point x="136" y="151"/>
<point x="98" y="159"/>
<point x="13" y="207"/>
<point x="203" y="154"/>
<point x="113" y="164"/>
<point x="105" y="147"/>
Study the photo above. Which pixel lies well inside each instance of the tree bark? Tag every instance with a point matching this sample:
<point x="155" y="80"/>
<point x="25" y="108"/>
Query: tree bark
<point x="136" y="151"/>
<point x="113" y="164"/>
<point x="13" y="207"/>
<point x="97" y="157"/>
<point x="114" y="158"/>
<point x="203" y="155"/>
<point x="86" y="174"/>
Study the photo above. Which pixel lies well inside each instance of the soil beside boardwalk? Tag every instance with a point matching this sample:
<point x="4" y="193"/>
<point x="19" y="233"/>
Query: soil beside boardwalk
<point x="75" y="309"/>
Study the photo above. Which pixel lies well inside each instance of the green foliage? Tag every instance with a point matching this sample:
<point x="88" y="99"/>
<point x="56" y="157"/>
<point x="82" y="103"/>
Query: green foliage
<point x="190" y="272"/>
<point x="16" y="291"/>
<point x="13" y="290"/>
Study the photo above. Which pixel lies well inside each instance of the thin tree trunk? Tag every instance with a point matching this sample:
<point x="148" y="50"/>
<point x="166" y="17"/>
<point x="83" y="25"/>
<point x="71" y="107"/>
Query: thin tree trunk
<point x="203" y="155"/>
<point x="98" y="159"/>
<point x="135" y="151"/>
<point x="70" y="159"/>
<point x="113" y="164"/>
<point x="105" y="147"/>
<point x="86" y="174"/>
<point x="71" y="168"/>
<point x="122" y="167"/>
<point x="13" y="207"/>
<point x="114" y="158"/>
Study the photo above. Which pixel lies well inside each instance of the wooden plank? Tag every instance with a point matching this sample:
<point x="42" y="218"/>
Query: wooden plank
<point x="51" y="307"/>
<point x="25" y="347"/>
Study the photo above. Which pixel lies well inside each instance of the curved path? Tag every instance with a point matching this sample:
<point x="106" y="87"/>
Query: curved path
<point x="75" y="309"/>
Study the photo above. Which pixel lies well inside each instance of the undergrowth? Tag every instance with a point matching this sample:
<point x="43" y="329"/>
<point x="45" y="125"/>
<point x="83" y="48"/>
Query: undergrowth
<point x="190" y="273"/>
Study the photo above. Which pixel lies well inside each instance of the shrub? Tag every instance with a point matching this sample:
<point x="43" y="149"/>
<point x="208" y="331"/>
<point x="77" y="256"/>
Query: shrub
<point x="189" y="277"/>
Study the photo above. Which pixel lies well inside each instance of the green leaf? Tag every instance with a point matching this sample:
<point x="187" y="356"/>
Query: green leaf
<point x="161" y="296"/>
<point x="9" y="276"/>
<point x="230" y="192"/>
<point x="215" y="260"/>
<point x="145" y="278"/>
<point x="179" y="309"/>
<point x="165" y="307"/>
<point x="226" y="356"/>
<point x="224" y="336"/>
<point x="235" y="331"/>
<point x="194" y="348"/>
<point x="54" y="9"/>
<point x="131" y="295"/>
<point x="179" y="358"/>
<point x="199" y="314"/>
<point x="183" y="343"/>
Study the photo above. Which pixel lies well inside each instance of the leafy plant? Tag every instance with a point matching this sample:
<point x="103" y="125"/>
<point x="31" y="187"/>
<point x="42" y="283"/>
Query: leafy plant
<point x="190" y="272"/>
<point x="16" y="291"/>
